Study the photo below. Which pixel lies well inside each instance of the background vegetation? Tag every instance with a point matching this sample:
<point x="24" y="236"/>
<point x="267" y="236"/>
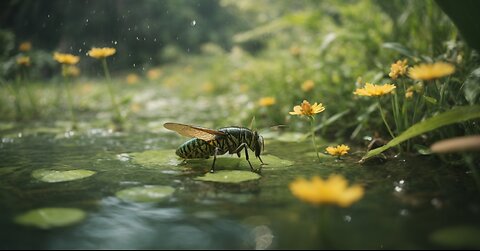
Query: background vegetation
<point x="212" y="61"/>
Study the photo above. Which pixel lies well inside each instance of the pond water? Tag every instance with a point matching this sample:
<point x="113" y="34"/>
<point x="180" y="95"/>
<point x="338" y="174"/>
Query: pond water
<point x="407" y="202"/>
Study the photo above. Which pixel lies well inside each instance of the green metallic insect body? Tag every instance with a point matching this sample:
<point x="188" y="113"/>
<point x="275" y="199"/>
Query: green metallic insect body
<point x="209" y="142"/>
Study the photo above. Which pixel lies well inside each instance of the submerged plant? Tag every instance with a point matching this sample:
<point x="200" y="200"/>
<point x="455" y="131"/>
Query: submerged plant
<point x="334" y="190"/>
<point x="305" y="109"/>
<point x="69" y="69"/>
<point x="102" y="54"/>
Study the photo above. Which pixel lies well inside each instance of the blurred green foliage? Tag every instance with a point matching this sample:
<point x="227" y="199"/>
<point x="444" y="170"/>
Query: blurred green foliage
<point x="219" y="58"/>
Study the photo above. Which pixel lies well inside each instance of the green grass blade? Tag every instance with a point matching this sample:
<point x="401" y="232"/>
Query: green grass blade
<point x="455" y="115"/>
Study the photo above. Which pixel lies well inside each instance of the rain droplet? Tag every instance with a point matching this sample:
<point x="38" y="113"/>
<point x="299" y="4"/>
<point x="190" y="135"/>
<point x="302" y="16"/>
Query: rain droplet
<point x="79" y="50"/>
<point x="134" y="65"/>
<point x="155" y="40"/>
<point x="115" y="42"/>
<point x="138" y="38"/>
<point x="86" y="20"/>
<point x="193" y="23"/>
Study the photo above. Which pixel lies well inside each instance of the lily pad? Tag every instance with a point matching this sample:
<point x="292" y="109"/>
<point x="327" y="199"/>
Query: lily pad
<point x="53" y="176"/>
<point x="145" y="193"/>
<point x="156" y="158"/>
<point x="233" y="162"/>
<point x="226" y="176"/>
<point x="46" y="218"/>
<point x="457" y="237"/>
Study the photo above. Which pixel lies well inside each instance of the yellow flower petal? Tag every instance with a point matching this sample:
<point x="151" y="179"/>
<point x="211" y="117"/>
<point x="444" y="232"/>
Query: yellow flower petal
<point x="66" y="58"/>
<point x="306" y="109"/>
<point x="99" y="53"/>
<point x="431" y="71"/>
<point x="375" y="90"/>
<point x="333" y="190"/>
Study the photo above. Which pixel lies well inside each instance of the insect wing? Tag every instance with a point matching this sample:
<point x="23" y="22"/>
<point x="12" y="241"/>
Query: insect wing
<point x="194" y="131"/>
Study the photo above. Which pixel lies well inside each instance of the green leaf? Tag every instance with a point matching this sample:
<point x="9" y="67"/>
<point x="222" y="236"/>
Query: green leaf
<point x="399" y="48"/>
<point x="53" y="176"/>
<point x="455" y="115"/>
<point x="46" y="218"/>
<point x="226" y="176"/>
<point x="457" y="237"/>
<point x="430" y="99"/>
<point x="156" y="158"/>
<point x="233" y="162"/>
<point x="472" y="87"/>
<point x="145" y="193"/>
<point x="465" y="16"/>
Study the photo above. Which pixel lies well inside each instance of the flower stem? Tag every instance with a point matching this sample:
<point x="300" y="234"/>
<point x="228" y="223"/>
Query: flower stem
<point x="118" y="115"/>
<point x="384" y="120"/>
<point x="312" y="128"/>
<point x="70" y="100"/>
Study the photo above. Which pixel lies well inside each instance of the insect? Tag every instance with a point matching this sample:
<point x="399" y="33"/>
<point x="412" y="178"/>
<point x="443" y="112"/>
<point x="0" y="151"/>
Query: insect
<point x="208" y="142"/>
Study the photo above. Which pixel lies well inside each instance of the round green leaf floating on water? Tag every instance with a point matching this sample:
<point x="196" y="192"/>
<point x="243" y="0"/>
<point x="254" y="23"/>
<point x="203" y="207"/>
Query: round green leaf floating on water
<point x="229" y="162"/>
<point x="53" y="176"/>
<point x="156" y="158"/>
<point x="145" y="193"/>
<point x="46" y="218"/>
<point x="226" y="176"/>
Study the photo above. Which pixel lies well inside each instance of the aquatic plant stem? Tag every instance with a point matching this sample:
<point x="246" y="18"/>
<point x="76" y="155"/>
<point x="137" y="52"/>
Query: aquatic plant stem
<point x="69" y="98"/>
<point x="312" y="129"/>
<point x="384" y="120"/>
<point x="118" y="116"/>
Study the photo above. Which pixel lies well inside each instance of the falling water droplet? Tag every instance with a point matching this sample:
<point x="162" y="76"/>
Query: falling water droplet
<point x="138" y="38"/>
<point x="193" y="23"/>
<point x="134" y="65"/>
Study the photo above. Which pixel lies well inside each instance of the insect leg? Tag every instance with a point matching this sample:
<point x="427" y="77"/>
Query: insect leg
<point x="240" y="148"/>
<point x="214" y="159"/>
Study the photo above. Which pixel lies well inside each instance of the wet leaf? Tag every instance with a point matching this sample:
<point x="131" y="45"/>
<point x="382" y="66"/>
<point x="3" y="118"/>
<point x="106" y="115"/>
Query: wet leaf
<point x="233" y="162"/>
<point x="457" y="237"/>
<point x="145" y="193"/>
<point x="46" y="218"/>
<point x="455" y="115"/>
<point x="53" y="176"/>
<point x="156" y="158"/>
<point x="226" y="176"/>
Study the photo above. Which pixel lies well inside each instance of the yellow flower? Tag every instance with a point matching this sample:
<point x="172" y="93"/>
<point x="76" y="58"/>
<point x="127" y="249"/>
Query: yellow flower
<point x="154" y="74"/>
<point x="306" y="109"/>
<point x="71" y="71"/>
<point x="398" y="69"/>
<point x="308" y="85"/>
<point x="409" y="94"/>
<point x="66" y="58"/>
<point x="99" y="53"/>
<point x="208" y="87"/>
<point x="339" y="150"/>
<point x="295" y="51"/>
<point x="431" y="71"/>
<point x="23" y="60"/>
<point x="132" y="78"/>
<point x="333" y="190"/>
<point x="266" y="101"/>
<point x="25" y="46"/>
<point x="375" y="90"/>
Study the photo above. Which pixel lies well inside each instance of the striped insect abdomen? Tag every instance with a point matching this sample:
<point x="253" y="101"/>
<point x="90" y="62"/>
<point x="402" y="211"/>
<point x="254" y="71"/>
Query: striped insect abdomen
<point x="195" y="149"/>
